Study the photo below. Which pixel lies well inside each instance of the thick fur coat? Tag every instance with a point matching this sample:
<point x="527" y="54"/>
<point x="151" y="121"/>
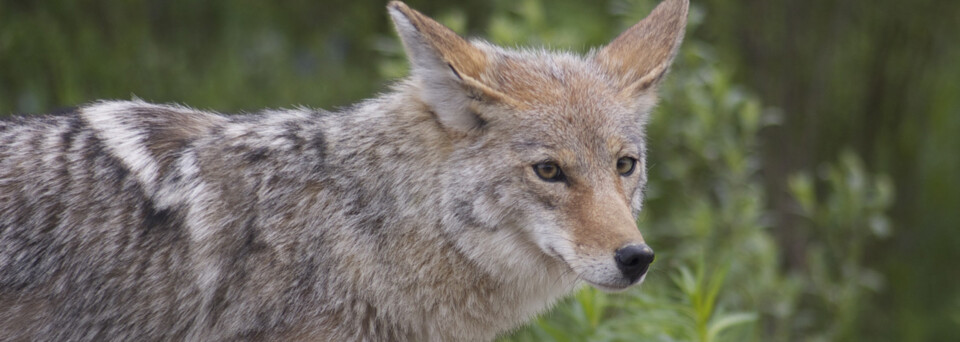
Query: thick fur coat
<point x="430" y="213"/>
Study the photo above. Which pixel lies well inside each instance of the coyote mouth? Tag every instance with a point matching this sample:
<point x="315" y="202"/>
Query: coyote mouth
<point x="617" y="285"/>
<point x="609" y="282"/>
<point x="614" y="287"/>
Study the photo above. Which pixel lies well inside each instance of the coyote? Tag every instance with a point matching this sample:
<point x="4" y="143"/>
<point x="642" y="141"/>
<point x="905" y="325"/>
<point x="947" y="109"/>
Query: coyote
<point x="481" y="189"/>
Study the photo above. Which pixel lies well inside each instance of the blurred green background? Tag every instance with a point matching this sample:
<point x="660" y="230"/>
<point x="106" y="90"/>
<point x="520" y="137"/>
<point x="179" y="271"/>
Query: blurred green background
<point x="805" y="162"/>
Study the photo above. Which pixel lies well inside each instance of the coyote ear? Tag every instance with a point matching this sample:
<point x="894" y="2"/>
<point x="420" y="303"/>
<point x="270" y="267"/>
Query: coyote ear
<point x="641" y="55"/>
<point x="448" y="67"/>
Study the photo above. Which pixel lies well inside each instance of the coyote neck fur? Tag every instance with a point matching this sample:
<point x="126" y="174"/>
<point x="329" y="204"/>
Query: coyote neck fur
<point x="461" y="295"/>
<point x="385" y="190"/>
<point x="472" y="298"/>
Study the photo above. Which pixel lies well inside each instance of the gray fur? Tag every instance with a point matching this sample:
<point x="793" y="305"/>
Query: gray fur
<point x="83" y="235"/>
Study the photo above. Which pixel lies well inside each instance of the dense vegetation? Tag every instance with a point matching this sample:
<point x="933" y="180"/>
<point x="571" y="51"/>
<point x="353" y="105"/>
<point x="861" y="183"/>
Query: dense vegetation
<point x="805" y="160"/>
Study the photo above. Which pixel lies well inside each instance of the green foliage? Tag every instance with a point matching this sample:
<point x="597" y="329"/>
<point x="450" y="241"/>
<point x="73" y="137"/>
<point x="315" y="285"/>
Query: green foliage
<point x="845" y="220"/>
<point x="881" y="79"/>
<point x="228" y="55"/>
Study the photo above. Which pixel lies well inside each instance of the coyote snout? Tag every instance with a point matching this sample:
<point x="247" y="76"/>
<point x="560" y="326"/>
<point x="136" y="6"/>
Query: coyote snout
<point x="598" y="238"/>
<point x="633" y="261"/>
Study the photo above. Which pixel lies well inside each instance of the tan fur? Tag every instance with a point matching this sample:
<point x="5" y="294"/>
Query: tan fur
<point x="603" y="224"/>
<point x="642" y="53"/>
<point x="465" y="59"/>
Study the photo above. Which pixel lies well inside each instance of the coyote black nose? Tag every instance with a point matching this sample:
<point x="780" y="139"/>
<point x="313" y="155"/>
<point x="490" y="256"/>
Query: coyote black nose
<point x="633" y="260"/>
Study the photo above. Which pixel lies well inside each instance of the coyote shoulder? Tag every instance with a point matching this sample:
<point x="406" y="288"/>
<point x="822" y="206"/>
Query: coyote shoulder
<point x="480" y="190"/>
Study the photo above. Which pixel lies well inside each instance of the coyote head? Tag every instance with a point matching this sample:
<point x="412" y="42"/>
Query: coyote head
<point x="547" y="149"/>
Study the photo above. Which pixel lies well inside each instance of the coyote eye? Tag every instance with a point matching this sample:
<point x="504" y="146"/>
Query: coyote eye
<point x="626" y="165"/>
<point x="548" y="171"/>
